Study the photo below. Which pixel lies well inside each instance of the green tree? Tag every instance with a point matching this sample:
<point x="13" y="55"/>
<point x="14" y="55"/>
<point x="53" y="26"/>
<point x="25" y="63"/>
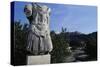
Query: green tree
<point x="60" y="45"/>
<point x="20" y="41"/>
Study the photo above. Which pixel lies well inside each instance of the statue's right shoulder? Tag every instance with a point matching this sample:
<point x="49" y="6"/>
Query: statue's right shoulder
<point x="28" y="10"/>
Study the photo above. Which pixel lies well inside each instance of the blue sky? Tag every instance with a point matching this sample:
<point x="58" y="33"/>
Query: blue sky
<point x="73" y="17"/>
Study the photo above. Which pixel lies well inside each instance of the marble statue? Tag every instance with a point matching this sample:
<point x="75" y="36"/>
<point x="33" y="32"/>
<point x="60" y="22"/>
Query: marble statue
<point x="39" y="40"/>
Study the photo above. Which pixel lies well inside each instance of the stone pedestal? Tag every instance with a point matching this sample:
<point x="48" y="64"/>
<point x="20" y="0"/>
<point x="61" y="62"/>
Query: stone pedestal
<point x="40" y="59"/>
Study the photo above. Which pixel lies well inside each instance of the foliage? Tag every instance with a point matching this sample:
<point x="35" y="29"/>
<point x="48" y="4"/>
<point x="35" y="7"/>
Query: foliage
<point x="60" y="47"/>
<point x="20" y="41"/>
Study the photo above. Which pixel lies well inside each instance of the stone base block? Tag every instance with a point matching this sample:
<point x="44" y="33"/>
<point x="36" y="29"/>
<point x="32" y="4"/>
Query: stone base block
<point x="40" y="59"/>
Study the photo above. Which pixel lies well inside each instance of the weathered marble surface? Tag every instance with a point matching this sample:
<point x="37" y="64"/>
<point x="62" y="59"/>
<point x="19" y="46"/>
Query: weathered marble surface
<point x="39" y="40"/>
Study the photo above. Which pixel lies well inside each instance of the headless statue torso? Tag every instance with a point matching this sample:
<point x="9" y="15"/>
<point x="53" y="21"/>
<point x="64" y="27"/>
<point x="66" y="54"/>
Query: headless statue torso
<point x="39" y="40"/>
